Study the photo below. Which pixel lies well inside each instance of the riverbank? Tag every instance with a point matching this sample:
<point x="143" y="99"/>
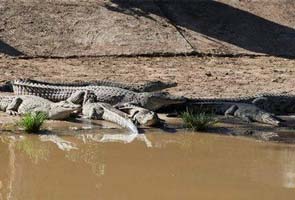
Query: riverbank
<point x="196" y="77"/>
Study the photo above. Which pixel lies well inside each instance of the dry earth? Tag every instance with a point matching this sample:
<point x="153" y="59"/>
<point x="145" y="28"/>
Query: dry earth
<point x="64" y="28"/>
<point x="196" y="76"/>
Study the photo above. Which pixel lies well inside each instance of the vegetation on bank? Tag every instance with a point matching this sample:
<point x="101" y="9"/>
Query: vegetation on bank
<point x="32" y="122"/>
<point x="199" y="121"/>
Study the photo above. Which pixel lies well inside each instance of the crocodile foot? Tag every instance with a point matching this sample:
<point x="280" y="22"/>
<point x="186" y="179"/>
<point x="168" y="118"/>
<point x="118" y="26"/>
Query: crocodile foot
<point x="12" y="112"/>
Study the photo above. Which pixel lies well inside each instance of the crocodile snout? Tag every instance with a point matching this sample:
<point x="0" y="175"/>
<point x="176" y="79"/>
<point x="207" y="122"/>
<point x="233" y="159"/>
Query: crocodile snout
<point x="72" y="106"/>
<point x="158" y="100"/>
<point x="63" y="110"/>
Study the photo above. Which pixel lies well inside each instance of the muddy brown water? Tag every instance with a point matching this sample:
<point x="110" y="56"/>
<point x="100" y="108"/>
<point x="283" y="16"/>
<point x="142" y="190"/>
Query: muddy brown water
<point x="153" y="166"/>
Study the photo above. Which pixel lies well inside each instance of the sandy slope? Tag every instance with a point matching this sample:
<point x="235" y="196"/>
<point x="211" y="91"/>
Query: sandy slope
<point x="115" y="27"/>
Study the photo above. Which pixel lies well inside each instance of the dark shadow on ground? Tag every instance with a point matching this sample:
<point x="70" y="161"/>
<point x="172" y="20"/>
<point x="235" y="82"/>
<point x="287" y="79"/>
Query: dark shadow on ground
<point x="219" y="21"/>
<point x="6" y="87"/>
<point x="9" y="50"/>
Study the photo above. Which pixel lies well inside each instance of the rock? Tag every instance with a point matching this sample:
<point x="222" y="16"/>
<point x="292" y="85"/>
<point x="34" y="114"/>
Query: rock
<point x="209" y="74"/>
<point x="278" y="80"/>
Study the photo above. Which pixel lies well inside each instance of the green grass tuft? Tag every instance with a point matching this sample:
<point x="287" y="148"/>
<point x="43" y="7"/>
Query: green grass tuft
<point x="198" y="121"/>
<point x="32" y="122"/>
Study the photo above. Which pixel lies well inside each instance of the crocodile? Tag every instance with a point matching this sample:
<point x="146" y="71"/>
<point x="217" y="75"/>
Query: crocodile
<point x="96" y="110"/>
<point x="164" y="102"/>
<point x="22" y="104"/>
<point x="278" y="104"/>
<point x="24" y="86"/>
<point x="104" y="94"/>
<point x="246" y="112"/>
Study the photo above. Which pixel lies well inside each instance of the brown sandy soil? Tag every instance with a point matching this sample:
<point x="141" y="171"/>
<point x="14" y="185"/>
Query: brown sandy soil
<point x="63" y="28"/>
<point x="196" y="76"/>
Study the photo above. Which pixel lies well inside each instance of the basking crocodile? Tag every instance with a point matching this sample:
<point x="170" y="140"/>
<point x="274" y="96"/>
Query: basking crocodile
<point x="24" y="86"/>
<point x="279" y="104"/>
<point x="22" y="104"/>
<point x="274" y="103"/>
<point x="143" y="116"/>
<point x="244" y="111"/>
<point x="95" y="110"/>
<point x="105" y="94"/>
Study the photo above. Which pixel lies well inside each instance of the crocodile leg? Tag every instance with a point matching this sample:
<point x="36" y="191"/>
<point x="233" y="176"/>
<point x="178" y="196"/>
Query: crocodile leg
<point x="93" y="112"/>
<point x="77" y="97"/>
<point x="12" y="108"/>
<point x="139" y="115"/>
<point x="234" y="112"/>
<point x="90" y="110"/>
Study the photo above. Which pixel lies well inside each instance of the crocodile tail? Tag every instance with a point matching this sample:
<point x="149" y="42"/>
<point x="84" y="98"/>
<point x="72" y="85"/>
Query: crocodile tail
<point x="118" y="117"/>
<point x="50" y="92"/>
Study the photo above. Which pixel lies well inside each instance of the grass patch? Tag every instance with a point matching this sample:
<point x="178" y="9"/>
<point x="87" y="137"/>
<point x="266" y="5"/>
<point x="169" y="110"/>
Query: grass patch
<point x="199" y="121"/>
<point x="32" y="122"/>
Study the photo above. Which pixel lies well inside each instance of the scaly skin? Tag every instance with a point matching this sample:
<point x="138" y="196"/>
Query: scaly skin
<point x="139" y="115"/>
<point x="94" y="110"/>
<point x="23" y="86"/>
<point x="244" y="111"/>
<point x="275" y="103"/>
<point x="279" y="104"/>
<point x="104" y="94"/>
<point x="23" y="104"/>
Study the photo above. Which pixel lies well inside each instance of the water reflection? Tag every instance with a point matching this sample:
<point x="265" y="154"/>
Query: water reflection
<point x="11" y="166"/>
<point x="122" y="138"/>
<point x="190" y="164"/>
<point x="35" y="150"/>
<point x="36" y="163"/>
<point x="91" y="154"/>
<point x="288" y="167"/>
<point x="61" y="143"/>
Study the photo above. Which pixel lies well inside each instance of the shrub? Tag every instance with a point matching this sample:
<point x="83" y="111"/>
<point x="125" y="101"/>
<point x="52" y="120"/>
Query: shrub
<point x="199" y="121"/>
<point x="32" y="122"/>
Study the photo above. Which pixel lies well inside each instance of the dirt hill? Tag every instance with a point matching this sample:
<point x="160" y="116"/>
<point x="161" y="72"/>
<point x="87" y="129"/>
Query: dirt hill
<point x="64" y="28"/>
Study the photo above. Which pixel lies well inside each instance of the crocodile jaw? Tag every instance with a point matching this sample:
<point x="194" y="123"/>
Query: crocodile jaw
<point x="154" y="101"/>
